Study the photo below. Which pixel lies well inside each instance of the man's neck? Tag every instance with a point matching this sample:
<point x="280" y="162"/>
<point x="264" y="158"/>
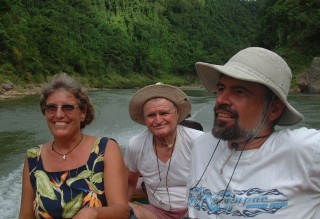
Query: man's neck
<point x="255" y="143"/>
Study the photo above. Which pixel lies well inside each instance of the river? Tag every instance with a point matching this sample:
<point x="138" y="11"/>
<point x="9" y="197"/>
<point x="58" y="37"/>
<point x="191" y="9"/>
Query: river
<point x="23" y="126"/>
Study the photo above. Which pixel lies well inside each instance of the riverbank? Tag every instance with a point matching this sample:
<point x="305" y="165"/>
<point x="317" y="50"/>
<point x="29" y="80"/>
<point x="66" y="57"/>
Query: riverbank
<point x="19" y="92"/>
<point x="36" y="90"/>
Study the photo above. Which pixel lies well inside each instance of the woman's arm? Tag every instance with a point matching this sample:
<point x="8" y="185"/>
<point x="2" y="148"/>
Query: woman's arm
<point x="132" y="183"/>
<point x="28" y="194"/>
<point x="116" y="187"/>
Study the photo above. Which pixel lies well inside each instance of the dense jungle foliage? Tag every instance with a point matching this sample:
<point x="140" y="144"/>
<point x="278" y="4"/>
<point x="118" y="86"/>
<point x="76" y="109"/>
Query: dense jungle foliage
<point x="130" y="43"/>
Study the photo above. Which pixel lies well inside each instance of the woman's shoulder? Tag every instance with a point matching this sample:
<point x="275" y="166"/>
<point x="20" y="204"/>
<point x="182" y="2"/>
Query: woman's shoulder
<point x="34" y="151"/>
<point x="99" y="141"/>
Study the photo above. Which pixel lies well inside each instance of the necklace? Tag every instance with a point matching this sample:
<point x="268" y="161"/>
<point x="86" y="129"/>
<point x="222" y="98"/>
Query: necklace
<point x="166" y="206"/>
<point x="169" y="145"/>
<point x="64" y="155"/>
<point x="205" y="169"/>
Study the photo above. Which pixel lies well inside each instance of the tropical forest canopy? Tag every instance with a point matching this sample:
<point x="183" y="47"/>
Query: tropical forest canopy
<point x="129" y="43"/>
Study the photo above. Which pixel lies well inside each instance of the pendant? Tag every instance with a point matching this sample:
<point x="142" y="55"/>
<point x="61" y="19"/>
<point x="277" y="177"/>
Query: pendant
<point x="64" y="157"/>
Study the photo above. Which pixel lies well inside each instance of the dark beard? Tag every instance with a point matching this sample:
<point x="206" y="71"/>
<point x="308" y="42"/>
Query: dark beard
<point x="220" y="130"/>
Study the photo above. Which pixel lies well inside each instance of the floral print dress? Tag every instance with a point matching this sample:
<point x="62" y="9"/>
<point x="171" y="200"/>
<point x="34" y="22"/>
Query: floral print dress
<point x="63" y="194"/>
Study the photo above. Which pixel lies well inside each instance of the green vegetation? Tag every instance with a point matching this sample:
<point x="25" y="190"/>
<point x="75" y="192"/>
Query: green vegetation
<point x="131" y="43"/>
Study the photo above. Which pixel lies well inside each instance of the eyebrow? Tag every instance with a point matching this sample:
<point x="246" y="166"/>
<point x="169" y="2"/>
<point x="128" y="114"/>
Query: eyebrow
<point x="236" y="87"/>
<point x="219" y="84"/>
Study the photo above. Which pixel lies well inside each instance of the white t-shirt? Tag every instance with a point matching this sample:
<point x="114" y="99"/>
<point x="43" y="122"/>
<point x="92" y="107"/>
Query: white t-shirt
<point x="279" y="180"/>
<point x="140" y="157"/>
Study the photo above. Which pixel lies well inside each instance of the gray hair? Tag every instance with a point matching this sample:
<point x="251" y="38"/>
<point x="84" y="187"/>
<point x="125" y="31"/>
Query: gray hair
<point x="65" y="82"/>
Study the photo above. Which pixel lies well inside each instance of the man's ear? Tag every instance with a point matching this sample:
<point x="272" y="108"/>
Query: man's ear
<point x="276" y="110"/>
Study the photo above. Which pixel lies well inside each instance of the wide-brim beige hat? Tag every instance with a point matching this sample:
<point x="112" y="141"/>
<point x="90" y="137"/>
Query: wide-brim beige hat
<point x="172" y="93"/>
<point x="258" y="65"/>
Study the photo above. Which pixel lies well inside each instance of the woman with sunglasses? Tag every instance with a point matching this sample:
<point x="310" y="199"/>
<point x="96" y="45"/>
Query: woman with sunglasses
<point x="74" y="175"/>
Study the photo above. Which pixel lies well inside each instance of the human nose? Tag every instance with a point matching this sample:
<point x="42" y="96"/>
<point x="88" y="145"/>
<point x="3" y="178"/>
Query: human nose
<point x="223" y="97"/>
<point x="158" y="118"/>
<point x="59" y="113"/>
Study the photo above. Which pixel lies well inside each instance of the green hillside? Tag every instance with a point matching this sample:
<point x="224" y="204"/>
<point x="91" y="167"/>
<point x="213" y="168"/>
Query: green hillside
<point x="131" y="43"/>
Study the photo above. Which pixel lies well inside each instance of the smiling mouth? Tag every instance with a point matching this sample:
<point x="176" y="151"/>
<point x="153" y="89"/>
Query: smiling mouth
<point x="159" y="126"/>
<point x="219" y="114"/>
<point x="224" y="115"/>
<point x="225" y="112"/>
<point x="60" y="124"/>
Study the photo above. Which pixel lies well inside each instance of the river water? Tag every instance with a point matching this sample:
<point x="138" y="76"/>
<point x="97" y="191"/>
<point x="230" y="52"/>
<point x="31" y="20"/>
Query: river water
<point x="23" y="126"/>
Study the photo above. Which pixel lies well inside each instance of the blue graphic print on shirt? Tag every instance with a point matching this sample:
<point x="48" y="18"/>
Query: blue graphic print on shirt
<point x="245" y="203"/>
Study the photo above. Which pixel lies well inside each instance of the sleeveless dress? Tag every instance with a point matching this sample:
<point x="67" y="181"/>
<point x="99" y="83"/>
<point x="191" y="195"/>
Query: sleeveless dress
<point x="62" y="194"/>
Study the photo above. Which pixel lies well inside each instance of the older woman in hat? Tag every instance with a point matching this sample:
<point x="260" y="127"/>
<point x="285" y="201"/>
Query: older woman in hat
<point x="74" y="175"/>
<point x="246" y="167"/>
<point x="161" y="154"/>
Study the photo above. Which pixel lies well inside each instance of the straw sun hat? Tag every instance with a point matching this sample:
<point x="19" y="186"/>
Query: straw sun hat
<point x="258" y="65"/>
<point x="174" y="94"/>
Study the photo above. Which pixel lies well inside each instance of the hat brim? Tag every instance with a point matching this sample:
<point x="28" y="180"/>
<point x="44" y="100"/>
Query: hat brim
<point x="172" y="93"/>
<point x="209" y="75"/>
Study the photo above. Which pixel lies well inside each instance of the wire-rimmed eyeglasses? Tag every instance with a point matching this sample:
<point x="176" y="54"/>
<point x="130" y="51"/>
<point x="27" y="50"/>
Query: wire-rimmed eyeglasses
<point x="66" y="108"/>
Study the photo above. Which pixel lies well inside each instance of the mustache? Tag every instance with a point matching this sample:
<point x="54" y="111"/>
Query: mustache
<point x="228" y="109"/>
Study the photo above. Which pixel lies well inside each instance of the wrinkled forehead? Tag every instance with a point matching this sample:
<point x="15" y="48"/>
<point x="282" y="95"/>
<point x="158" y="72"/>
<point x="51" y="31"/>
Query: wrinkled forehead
<point x="61" y="92"/>
<point x="159" y="100"/>
<point x="250" y="85"/>
<point x="223" y="78"/>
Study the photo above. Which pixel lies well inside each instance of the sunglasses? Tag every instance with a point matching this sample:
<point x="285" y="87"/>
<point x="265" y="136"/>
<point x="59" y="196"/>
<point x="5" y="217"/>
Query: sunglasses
<point x="66" y="108"/>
